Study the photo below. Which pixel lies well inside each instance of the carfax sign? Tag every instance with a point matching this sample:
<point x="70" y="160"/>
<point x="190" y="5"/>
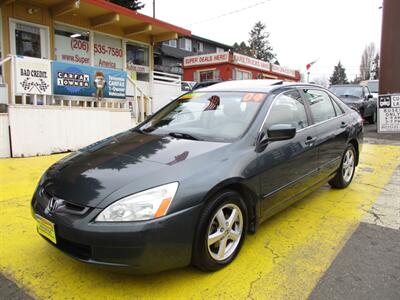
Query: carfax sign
<point x="79" y="80"/>
<point x="389" y="113"/>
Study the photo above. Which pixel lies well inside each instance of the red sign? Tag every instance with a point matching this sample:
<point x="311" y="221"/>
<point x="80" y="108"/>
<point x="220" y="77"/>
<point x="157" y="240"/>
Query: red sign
<point x="214" y="58"/>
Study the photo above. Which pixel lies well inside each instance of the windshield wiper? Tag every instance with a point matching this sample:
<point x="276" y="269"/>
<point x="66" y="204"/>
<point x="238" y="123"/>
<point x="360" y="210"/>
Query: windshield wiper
<point x="181" y="135"/>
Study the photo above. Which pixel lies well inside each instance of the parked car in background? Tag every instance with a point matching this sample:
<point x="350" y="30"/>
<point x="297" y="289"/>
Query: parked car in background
<point x="187" y="86"/>
<point x="204" y="84"/>
<point x="373" y="86"/>
<point x="357" y="97"/>
<point x="187" y="185"/>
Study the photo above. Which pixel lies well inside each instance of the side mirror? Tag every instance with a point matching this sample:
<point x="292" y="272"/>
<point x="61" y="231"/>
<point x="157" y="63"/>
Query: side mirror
<point x="281" y="132"/>
<point x="277" y="132"/>
<point x="369" y="96"/>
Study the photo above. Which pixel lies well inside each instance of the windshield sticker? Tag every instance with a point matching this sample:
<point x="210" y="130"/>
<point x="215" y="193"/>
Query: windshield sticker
<point x="253" y="97"/>
<point x="214" y="103"/>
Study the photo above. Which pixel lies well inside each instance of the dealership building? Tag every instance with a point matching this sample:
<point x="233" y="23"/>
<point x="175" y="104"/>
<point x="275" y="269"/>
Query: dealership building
<point x="233" y="66"/>
<point x="73" y="72"/>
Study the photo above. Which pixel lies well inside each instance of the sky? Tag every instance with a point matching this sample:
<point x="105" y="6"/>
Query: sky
<point x="301" y="30"/>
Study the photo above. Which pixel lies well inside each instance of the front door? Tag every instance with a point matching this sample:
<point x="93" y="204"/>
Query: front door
<point x="287" y="168"/>
<point x="28" y="39"/>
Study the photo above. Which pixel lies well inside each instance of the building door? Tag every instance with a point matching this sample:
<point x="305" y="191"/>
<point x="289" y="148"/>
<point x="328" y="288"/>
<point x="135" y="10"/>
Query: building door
<point x="29" y="39"/>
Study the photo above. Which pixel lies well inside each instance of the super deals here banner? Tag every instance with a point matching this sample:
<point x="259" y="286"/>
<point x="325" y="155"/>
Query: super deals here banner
<point x="78" y="80"/>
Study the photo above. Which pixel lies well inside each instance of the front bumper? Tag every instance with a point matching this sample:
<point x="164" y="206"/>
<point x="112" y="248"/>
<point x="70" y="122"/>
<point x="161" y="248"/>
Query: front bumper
<point x="138" y="247"/>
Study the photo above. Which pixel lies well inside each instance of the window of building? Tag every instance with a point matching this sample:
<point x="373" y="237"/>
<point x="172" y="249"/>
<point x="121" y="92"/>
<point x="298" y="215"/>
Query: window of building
<point x="170" y="43"/>
<point x="137" y="61"/>
<point x="185" y="44"/>
<point x="241" y="75"/>
<point x="206" y="75"/>
<point x="288" y="109"/>
<point x="321" y="105"/>
<point x="201" y="47"/>
<point x="108" y="51"/>
<point x="71" y="45"/>
<point x="219" y="50"/>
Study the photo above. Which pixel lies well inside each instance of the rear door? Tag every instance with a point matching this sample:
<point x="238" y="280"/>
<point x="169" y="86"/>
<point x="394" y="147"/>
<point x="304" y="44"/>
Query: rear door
<point x="332" y="129"/>
<point x="287" y="167"/>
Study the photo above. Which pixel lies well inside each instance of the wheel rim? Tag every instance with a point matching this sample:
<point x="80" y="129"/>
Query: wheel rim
<point x="225" y="232"/>
<point x="348" y="165"/>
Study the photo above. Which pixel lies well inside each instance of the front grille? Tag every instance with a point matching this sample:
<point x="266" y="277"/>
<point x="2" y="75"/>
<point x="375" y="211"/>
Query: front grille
<point x="65" y="206"/>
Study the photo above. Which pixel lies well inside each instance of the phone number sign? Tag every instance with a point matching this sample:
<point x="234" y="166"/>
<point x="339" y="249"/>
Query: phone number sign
<point x="389" y="113"/>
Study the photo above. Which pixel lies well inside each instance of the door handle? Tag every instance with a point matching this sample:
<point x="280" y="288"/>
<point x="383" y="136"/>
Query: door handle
<point x="343" y="125"/>
<point x="310" y="140"/>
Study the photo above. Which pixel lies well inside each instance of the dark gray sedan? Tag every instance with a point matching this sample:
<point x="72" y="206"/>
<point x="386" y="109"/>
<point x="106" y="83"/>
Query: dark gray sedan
<point x="189" y="183"/>
<point x="358" y="98"/>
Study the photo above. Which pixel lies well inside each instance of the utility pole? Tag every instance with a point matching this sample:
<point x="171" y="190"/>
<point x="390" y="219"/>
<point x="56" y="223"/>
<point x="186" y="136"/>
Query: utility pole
<point x="389" y="77"/>
<point x="154" y="8"/>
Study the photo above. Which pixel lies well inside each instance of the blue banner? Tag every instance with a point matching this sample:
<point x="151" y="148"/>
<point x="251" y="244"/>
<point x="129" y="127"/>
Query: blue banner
<point x="87" y="81"/>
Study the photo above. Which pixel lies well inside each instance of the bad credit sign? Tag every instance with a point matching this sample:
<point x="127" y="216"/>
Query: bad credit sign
<point x="214" y="58"/>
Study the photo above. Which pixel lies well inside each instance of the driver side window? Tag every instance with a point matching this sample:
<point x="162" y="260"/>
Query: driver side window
<point x="288" y="109"/>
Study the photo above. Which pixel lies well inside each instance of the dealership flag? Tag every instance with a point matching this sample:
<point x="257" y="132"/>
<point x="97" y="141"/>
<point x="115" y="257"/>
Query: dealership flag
<point x="308" y="66"/>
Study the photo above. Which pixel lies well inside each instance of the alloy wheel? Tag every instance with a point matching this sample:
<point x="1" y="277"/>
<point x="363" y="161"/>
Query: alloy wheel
<point x="225" y="232"/>
<point x="348" y="165"/>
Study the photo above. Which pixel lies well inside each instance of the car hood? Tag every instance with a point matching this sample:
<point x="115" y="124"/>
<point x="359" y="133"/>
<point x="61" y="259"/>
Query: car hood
<point x="88" y="176"/>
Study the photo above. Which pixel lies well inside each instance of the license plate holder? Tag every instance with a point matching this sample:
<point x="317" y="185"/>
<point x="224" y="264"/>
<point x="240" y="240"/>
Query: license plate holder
<point x="46" y="228"/>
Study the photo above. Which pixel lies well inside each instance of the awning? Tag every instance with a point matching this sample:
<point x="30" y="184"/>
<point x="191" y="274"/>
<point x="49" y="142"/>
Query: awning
<point x="109" y="17"/>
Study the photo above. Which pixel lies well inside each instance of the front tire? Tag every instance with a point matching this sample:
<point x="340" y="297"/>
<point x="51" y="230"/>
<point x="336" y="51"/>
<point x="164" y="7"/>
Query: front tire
<point x="345" y="173"/>
<point x="221" y="231"/>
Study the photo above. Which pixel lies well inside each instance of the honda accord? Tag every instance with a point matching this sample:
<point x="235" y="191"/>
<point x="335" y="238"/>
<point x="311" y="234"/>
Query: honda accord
<point x="186" y="185"/>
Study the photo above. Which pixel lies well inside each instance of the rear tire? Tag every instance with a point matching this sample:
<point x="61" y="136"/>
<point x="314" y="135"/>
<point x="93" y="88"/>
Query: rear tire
<point x="345" y="173"/>
<point x="221" y="231"/>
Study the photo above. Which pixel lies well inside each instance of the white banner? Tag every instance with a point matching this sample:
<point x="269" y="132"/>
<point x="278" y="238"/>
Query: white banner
<point x="213" y="58"/>
<point x="251" y="62"/>
<point x="389" y="113"/>
<point x="32" y="76"/>
<point x="108" y="52"/>
<point x="283" y="70"/>
<point x="71" y="50"/>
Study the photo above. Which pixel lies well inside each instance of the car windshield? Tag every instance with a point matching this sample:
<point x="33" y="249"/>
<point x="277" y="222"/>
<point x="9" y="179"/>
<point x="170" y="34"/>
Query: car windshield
<point x="373" y="86"/>
<point x="347" y="91"/>
<point x="211" y="116"/>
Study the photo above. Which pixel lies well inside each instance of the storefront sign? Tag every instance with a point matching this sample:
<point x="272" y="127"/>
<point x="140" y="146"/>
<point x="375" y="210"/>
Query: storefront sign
<point x="389" y="113"/>
<point x="108" y="52"/>
<point x="138" y="68"/>
<point x="33" y="76"/>
<point x="78" y="80"/>
<point x="71" y="50"/>
<point x="214" y="58"/>
<point x="283" y="70"/>
<point x="247" y="61"/>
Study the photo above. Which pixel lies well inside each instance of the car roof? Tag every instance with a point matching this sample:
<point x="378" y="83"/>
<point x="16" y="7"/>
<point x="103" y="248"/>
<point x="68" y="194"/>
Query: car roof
<point x="253" y="85"/>
<point x="350" y="84"/>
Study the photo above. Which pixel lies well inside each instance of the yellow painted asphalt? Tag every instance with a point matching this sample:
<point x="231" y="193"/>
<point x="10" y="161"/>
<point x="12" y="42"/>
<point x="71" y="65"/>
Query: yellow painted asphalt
<point x="283" y="260"/>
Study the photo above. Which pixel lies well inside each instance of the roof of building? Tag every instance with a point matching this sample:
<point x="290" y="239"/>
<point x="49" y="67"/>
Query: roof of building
<point x="217" y="44"/>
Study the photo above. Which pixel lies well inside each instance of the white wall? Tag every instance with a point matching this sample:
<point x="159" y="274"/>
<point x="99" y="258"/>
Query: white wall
<point x="39" y="130"/>
<point x="4" y="137"/>
<point x="163" y="93"/>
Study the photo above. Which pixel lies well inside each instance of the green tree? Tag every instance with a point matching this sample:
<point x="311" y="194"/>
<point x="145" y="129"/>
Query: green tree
<point x="259" y="42"/>
<point x="131" y="4"/>
<point x="339" y="75"/>
<point x="243" y="48"/>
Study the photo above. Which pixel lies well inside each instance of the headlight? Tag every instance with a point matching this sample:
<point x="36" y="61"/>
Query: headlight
<point x="146" y="205"/>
